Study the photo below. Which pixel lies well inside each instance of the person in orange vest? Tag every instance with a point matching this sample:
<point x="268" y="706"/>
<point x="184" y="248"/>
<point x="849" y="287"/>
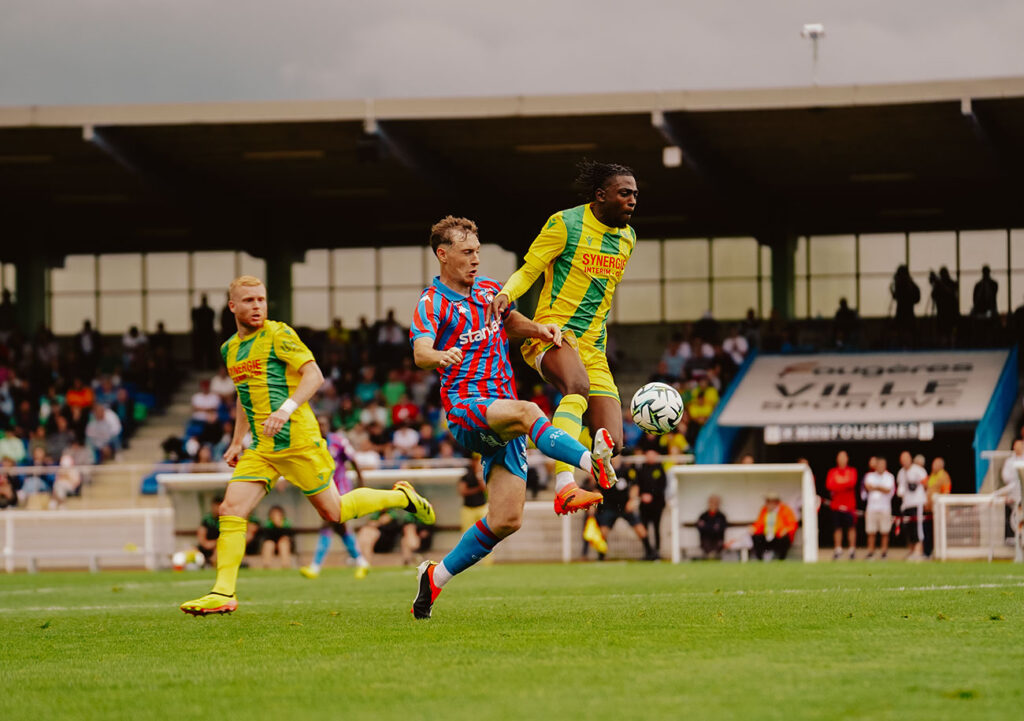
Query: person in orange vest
<point x="774" y="529"/>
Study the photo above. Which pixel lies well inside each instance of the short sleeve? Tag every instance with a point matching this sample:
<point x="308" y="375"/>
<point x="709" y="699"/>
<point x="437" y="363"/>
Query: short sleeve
<point x="426" y="319"/>
<point x="291" y="350"/>
<point x="549" y="243"/>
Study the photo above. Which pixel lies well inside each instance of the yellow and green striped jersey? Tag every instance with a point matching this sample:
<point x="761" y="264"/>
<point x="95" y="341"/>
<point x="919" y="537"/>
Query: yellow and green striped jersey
<point x="265" y="368"/>
<point x="584" y="260"/>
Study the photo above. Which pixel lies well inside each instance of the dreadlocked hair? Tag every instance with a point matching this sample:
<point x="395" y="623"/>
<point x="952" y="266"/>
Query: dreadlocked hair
<point x="592" y="176"/>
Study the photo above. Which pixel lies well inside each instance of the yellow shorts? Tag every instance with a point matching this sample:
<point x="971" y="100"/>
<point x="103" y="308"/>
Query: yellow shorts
<point x="594" y="360"/>
<point x="310" y="468"/>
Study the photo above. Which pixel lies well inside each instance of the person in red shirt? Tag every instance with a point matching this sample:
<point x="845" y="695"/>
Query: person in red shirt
<point x="405" y="411"/>
<point x="79" y="395"/>
<point x="842" y="484"/>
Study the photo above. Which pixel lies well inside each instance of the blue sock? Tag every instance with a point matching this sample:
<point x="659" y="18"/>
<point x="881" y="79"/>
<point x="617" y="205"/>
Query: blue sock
<point x="475" y="544"/>
<point x="557" y="444"/>
<point x="350" y="545"/>
<point x="323" y="545"/>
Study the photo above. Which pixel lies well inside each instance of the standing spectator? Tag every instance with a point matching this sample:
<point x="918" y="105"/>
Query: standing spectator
<point x="846" y="324"/>
<point x="650" y="478"/>
<point x="133" y="345"/>
<point x="8" y="317"/>
<point x="774" y="530"/>
<point x="711" y="526"/>
<point x="1011" y="483"/>
<point x="938" y="482"/>
<point x="474" y="494"/>
<point x="228" y="326"/>
<point x="906" y="295"/>
<point x="985" y="311"/>
<point x="391" y="339"/>
<point x="277" y="538"/>
<point x="160" y="341"/>
<point x="673" y="358"/>
<point x="103" y="432"/>
<point x="87" y="343"/>
<point x="203" y="336"/>
<point x="842" y="484"/>
<point x="622" y="500"/>
<point x="912" y="489"/>
<point x="750" y="329"/>
<point x="946" y="298"/>
<point x="880" y="487"/>
<point x="736" y="346"/>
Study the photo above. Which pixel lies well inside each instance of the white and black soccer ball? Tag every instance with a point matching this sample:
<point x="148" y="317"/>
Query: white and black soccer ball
<point x="657" y="408"/>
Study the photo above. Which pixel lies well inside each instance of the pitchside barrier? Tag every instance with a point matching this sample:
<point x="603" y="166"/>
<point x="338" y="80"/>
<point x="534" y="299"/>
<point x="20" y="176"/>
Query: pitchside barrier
<point x="118" y="538"/>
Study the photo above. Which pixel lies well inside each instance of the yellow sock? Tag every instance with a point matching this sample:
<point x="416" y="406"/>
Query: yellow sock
<point x="569" y="418"/>
<point x="361" y="501"/>
<point x="230" y="552"/>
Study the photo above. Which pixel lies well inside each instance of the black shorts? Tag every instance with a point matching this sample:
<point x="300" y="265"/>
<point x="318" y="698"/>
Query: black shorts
<point x="389" y="535"/>
<point x="913" y="524"/>
<point x="842" y="519"/>
<point x="276" y="534"/>
<point x="606" y="517"/>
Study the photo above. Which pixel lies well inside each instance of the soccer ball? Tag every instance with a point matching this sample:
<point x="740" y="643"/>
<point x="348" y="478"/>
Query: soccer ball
<point x="656" y="408"/>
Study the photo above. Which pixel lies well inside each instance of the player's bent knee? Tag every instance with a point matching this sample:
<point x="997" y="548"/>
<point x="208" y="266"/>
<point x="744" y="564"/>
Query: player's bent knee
<point x="504" y="527"/>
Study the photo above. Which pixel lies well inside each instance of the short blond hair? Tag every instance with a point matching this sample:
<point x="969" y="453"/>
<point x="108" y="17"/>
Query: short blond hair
<point x="243" y="281"/>
<point x="450" y="229"/>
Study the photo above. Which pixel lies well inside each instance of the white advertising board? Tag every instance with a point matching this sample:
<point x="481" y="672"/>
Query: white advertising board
<point x="865" y="388"/>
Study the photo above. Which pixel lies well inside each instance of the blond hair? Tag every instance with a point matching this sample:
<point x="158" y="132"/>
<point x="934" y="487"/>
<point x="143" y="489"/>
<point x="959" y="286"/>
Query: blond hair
<point x="243" y="281"/>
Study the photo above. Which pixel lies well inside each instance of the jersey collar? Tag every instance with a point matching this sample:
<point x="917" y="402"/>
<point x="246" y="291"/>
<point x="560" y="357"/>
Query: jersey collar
<point x="450" y="294"/>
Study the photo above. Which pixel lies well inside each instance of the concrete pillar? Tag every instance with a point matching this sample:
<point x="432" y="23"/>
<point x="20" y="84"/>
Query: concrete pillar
<point x="279" y="283"/>
<point x="30" y="292"/>
<point x="783" y="245"/>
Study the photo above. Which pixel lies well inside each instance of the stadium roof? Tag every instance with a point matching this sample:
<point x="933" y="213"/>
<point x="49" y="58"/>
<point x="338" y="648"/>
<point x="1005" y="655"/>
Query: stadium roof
<point x="258" y="176"/>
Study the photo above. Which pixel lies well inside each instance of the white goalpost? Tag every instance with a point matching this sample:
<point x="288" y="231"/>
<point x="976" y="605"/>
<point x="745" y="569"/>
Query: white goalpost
<point x="981" y="525"/>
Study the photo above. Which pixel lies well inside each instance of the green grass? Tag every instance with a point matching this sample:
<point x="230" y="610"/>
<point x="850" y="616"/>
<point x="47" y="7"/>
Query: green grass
<point x="612" y="641"/>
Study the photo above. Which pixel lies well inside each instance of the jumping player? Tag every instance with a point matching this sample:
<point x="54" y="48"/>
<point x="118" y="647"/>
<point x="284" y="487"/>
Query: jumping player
<point x="582" y="253"/>
<point x="275" y="375"/>
<point x="449" y="333"/>
<point x="344" y="455"/>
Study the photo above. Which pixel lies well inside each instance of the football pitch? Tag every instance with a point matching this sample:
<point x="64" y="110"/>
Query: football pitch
<point x="589" y="641"/>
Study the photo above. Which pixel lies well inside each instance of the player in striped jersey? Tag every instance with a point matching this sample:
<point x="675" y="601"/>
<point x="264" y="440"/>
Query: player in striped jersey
<point x="275" y="375"/>
<point x="582" y="253"/>
<point x="449" y="334"/>
<point x="344" y="455"/>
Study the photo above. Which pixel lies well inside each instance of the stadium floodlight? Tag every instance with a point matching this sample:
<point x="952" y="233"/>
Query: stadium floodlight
<point x="672" y="156"/>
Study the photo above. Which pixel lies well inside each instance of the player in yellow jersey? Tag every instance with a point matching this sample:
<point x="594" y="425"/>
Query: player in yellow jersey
<point x="582" y="253"/>
<point x="275" y="375"/>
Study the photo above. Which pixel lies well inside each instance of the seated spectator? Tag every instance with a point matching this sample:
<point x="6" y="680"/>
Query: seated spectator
<point x="66" y="483"/>
<point x="79" y="396"/>
<point x="105" y="393"/>
<point x="673" y="359"/>
<point x="394" y="390"/>
<point x="11" y="446"/>
<point x="59" y="438"/>
<point x="367" y="388"/>
<point x="8" y="493"/>
<point x="205" y="403"/>
<point x="405" y="439"/>
<point x="37" y="439"/>
<point x="277" y="538"/>
<point x="222" y="385"/>
<point x="711" y="526"/>
<point x="404" y="411"/>
<point x="774" y="529"/>
<point x="38" y="481"/>
<point x="428" y="441"/>
<point x="384" y="529"/>
<point x="374" y="413"/>
<point x="80" y="455"/>
<point x="209" y="531"/>
<point x="104" y="432"/>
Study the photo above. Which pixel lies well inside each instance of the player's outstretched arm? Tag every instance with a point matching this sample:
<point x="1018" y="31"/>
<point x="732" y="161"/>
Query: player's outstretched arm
<point x="518" y="325"/>
<point x="312" y="379"/>
<point x="428" y="358"/>
<point x="518" y="283"/>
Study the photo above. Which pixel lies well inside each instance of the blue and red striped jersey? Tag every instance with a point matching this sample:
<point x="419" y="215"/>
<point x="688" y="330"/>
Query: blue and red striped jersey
<point x="453" y="319"/>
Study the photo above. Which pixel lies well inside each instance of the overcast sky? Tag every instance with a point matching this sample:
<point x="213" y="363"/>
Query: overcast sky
<point x="128" y="51"/>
